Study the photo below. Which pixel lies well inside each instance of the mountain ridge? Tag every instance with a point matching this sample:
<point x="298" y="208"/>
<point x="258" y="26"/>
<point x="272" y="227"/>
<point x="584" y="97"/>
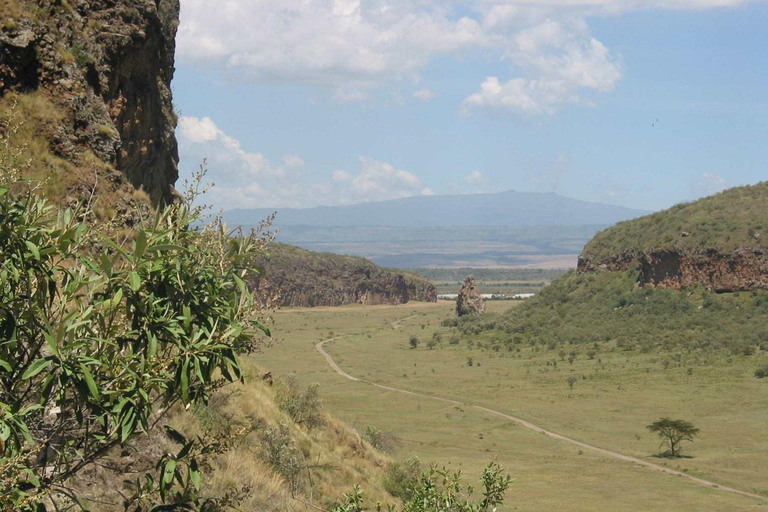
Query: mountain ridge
<point x="505" y="208"/>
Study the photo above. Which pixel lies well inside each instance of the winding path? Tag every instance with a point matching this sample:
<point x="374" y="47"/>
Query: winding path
<point x="528" y="424"/>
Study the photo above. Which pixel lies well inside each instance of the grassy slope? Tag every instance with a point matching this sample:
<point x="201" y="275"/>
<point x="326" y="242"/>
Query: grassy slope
<point x="337" y="456"/>
<point x="726" y="221"/>
<point x="617" y="394"/>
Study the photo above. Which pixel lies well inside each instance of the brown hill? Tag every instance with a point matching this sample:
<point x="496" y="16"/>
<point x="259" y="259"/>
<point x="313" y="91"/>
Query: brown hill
<point x="306" y="278"/>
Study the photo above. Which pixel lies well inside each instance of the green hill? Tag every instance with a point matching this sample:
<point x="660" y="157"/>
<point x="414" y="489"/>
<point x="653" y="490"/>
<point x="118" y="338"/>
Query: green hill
<point x="305" y="278"/>
<point x="656" y="284"/>
<point x="730" y="220"/>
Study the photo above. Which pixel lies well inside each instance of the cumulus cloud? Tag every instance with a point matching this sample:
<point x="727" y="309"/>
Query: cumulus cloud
<point x="424" y="94"/>
<point x="379" y="181"/>
<point x="346" y="43"/>
<point x="352" y="46"/>
<point x="476" y="178"/>
<point x="559" y="61"/>
<point x="246" y="179"/>
<point x="707" y="184"/>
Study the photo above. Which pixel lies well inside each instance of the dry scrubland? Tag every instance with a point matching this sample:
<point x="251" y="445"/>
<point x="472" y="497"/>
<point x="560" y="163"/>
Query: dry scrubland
<point x="616" y="395"/>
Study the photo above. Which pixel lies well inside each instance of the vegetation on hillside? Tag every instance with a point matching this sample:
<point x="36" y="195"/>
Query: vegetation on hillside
<point x="607" y="309"/>
<point x="101" y="336"/>
<point x="733" y="219"/>
<point x="306" y="278"/>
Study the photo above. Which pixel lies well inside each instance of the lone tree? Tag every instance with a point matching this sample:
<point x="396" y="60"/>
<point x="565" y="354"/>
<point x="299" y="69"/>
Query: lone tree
<point x="673" y="432"/>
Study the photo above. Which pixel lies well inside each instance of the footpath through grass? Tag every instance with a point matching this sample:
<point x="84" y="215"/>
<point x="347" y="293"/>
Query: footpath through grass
<point x="617" y="393"/>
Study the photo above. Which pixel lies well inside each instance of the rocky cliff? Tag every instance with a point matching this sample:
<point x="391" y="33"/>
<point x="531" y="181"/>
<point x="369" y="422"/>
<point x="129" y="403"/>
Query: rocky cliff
<point x="100" y="73"/>
<point x="716" y="242"/>
<point x="304" y="278"/>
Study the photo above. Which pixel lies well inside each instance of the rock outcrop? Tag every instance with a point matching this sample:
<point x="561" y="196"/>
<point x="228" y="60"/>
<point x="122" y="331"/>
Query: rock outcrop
<point x="106" y="66"/>
<point x="303" y="278"/>
<point x="739" y="270"/>
<point x="469" y="301"/>
<point x="716" y="242"/>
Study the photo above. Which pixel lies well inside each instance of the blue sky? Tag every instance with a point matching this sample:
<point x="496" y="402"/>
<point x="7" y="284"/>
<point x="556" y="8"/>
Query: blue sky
<point x="642" y="103"/>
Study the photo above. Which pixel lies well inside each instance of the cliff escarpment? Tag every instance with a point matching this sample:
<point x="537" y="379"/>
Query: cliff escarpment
<point x="716" y="242"/>
<point x="92" y="79"/>
<point x="304" y="278"/>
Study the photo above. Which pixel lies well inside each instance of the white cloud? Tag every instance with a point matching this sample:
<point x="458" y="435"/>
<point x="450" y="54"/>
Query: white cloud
<point x="559" y="61"/>
<point x="379" y="181"/>
<point x="246" y="179"/>
<point x="350" y="95"/>
<point x="353" y="46"/>
<point x="425" y="94"/>
<point x="707" y="184"/>
<point x="476" y="178"/>
<point x="293" y="162"/>
<point x="198" y="130"/>
<point x="341" y="43"/>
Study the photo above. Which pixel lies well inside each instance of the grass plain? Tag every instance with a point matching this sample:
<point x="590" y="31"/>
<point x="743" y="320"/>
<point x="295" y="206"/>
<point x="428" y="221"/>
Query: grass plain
<point x="616" y="395"/>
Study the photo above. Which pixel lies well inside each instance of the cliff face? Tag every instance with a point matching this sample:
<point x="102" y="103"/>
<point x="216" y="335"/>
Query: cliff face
<point x="739" y="270"/>
<point x="304" y="278"/>
<point x="718" y="242"/>
<point x="106" y="67"/>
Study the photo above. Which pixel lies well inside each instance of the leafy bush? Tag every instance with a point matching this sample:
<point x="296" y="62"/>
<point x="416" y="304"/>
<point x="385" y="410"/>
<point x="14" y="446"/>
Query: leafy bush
<point x="762" y="373"/>
<point x="379" y="439"/>
<point x="279" y="450"/>
<point x="441" y="490"/>
<point x="305" y="407"/>
<point x="400" y="478"/>
<point x="99" y="338"/>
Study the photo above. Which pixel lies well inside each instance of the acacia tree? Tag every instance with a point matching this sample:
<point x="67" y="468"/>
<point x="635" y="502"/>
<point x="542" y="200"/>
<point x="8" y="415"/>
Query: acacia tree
<point x="100" y="338"/>
<point x="673" y="432"/>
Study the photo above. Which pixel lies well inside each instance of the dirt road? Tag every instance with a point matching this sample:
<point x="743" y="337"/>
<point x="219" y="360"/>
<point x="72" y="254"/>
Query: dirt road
<point x="535" y="428"/>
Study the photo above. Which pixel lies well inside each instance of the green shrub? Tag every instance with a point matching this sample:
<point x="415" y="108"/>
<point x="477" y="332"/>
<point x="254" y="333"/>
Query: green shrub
<point x="304" y="407"/>
<point x="400" y="478"/>
<point x="279" y="451"/>
<point x="762" y="373"/>
<point x="98" y="336"/>
<point x="379" y="439"/>
<point x="440" y="490"/>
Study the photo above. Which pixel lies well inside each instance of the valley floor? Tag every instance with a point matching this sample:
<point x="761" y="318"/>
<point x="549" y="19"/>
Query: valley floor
<point x="617" y="394"/>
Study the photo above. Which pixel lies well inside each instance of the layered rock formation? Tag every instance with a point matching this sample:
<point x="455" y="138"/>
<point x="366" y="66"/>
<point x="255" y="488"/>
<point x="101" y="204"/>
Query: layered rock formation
<point x="469" y="301"/>
<point x="715" y="242"/>
<point x="303" y="278"/>
<point x="106" y="67"/>
<point x="739" y="270"/>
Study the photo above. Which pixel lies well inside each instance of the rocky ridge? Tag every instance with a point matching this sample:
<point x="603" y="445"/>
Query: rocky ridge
<point x="104" y="70"/>
<point x="715" y="242"/>
<point x="308" y="279"/>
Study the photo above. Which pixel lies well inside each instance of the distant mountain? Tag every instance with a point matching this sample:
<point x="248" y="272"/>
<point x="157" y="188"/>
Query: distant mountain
<point x="509" y="208"/>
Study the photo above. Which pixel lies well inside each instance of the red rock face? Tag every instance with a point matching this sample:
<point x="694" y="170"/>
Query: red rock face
<point x="740" y="270"/>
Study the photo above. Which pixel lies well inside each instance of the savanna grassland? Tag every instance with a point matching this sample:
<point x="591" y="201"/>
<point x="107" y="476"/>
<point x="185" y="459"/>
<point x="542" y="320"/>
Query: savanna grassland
<point x="616" y="393"/>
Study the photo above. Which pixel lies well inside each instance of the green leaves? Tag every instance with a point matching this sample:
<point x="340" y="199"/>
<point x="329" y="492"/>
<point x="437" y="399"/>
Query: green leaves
<point x="35" y="368"/>
<point x="134" y="281"/>
<point x="109" y="330"/>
